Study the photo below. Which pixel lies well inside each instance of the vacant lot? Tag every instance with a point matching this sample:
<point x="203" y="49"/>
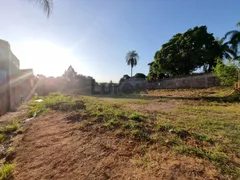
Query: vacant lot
<point x="188" y="134"/>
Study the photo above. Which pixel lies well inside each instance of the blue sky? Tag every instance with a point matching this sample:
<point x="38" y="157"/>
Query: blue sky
<point x="95" y="35"/>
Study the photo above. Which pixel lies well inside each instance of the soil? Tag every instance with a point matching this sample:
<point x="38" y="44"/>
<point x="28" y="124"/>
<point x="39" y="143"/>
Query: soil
<point x="52" y="147"/>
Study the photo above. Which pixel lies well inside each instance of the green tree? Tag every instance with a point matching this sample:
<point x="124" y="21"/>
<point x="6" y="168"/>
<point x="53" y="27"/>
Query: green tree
<point x="186" y="52"/>
<point x="45" y="4"/>
<point x="132" y="59"/>
<point x="226" y="51"/>
<point x="140" y="75"/>
<point x="227" y="74"/>
<point x="234" y="38"/>
<point x="125" y="77"/>
<point x="70" y="74"/>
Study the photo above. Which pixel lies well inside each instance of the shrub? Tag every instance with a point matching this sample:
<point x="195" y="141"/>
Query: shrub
<point x="227" y="74"/>
<point x="136" y="116"/>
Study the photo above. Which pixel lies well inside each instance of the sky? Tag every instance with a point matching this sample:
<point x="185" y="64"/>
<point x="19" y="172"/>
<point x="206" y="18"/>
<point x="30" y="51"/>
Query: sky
<point x="94" y="35"/>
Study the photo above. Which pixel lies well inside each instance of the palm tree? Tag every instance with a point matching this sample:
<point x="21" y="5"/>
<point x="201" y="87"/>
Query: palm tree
<point x="234" y="38"/>
<point x="131" y="59"/>
<point x="46" y="5"/>
<point x="227" y="52"/>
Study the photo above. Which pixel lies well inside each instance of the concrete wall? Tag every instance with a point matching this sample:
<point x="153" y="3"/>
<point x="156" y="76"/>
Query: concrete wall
<point x="21" y="87"/>
<point x="132" y="84"/>
<point x="15" y="84"/>
<point x="81" y="85"/>
<point x="195" y="81"/>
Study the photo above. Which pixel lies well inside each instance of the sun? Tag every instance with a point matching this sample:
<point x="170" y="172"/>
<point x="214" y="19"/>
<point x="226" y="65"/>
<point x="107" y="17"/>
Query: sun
<point x="43" y="57"/>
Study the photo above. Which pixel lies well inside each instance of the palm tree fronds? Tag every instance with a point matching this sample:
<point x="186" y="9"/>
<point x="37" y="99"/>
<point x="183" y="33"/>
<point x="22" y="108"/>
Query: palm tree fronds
<point x="238" y="24"/>
<point x="220" y="41"/>
<point x="131" y="59"/>
<point x="45" y="4"/>
<point x="230" y="33"/>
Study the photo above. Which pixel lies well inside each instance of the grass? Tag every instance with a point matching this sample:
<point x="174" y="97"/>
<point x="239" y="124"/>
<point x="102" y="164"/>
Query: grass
<point x="8" y="128"/>
<point x="2" y="137"/>
<point x="203" y="128"/>
<point x="11" y="150"/>
<point x="54" y="101"/>
<point x="13" y="126"/>
<point x="6" y="171"/>
<point x="6" y="132"/>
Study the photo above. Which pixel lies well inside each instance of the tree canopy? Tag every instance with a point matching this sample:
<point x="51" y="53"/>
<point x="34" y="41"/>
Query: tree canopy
<point x="70" y="74"/>
<point x="186" y="52"/>
<point x="140" y="75"/>
<point x="234" y="38"/>
<point x="125" y="77"/>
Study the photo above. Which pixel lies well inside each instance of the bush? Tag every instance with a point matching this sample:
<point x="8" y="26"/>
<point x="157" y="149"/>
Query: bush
<point x="227" y="74"/>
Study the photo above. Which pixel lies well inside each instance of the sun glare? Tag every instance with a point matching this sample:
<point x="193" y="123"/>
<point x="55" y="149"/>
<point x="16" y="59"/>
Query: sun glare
<point x="44" y="57"/>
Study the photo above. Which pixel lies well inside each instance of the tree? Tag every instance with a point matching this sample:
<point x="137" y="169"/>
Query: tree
<point x="227" y="74"/>
<point x="186" y="52"/>
<point x="234" y="38"/>
<point x="226" y="51"/>
<point x="125" y="77"/>
<point x="155" y="72"/>
<point x="131" y="59"/>
<point x="140" y="75"/>
<point x="45" y="4"/>
<point x="70" y="75"/>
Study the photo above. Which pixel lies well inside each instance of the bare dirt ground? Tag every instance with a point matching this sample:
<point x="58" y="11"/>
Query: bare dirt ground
<point x="54" y="148"/>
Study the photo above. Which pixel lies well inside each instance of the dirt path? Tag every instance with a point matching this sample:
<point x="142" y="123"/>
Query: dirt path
<point x="53" y="148"/>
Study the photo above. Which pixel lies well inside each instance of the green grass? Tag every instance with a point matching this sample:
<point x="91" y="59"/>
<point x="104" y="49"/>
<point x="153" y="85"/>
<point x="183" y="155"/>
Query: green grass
<point x="9" y="128"/>
<point x="13" y="126"/>
<point x="137" y="116"/>
<point x="10" y="150"/>
<point x="215" y="124"/>
<point x="2" y="137"/>
<point x="6" y="171"/>
<point x="55" y="101"/>
<point x="201" y="128"/>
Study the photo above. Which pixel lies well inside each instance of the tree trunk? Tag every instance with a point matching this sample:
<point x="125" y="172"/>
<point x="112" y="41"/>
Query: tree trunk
<point x="131" y="71"/>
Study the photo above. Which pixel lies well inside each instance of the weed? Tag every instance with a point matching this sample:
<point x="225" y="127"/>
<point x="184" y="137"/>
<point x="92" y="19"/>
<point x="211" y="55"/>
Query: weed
<point x="174" y="141"/>
<point x="12" y="127"/>
<point x="2" y="137"/>
<point x="120" y="133"/>
<point x="111" y="123"/>
<point x="138" y="134"/>
<point x="220" y="159"/>
<point x="161" y="139"/>
<point x="6" y="171"/>
<point x="143" y="161"/>
<point x="203" y="138"/>
<point x="164" y="126"/>
<point x="181" y="132"/>
<point x="129" y="124"/>
<point x="136" y="116"/>
<point x="190" y="150"/>
<point x="55" y="101"/>
<point x="10" y="150"/>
